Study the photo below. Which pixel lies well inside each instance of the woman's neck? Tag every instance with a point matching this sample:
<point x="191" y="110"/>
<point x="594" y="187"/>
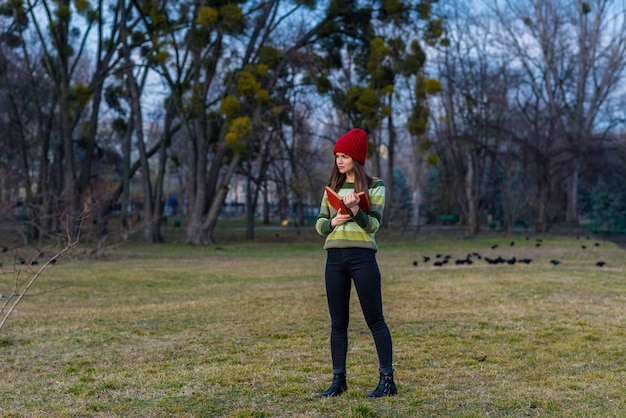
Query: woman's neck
<point x="350" y="177"/>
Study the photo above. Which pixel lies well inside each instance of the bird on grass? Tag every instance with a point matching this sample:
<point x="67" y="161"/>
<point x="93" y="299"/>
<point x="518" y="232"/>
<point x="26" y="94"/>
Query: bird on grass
<point x="555" y="262"/>
<point x="415" y="263"/>
<point x="466" y="260"/>
<point x="426" y="259"/>
<point x="494" y="246"/>
<point x="600" y="263"/>
<point x="525" y="260"/>
<point x="498" y="260"/>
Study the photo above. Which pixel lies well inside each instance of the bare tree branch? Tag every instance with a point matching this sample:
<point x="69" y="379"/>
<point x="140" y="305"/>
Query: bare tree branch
<point x="20" y="293"/>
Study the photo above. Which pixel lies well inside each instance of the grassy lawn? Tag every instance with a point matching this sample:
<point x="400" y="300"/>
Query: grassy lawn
<point x="240" y="329"/>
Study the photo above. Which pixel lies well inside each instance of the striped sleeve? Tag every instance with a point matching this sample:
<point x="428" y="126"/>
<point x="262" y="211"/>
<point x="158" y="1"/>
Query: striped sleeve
<point x="322" y="224"/>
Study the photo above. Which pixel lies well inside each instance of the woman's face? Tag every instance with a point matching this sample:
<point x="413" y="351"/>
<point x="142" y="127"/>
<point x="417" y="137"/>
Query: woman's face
<point x="344" y="162"/>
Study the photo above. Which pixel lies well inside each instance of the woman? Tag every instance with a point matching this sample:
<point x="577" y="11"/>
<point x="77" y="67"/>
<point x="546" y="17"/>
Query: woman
<point x="351" y="256"/>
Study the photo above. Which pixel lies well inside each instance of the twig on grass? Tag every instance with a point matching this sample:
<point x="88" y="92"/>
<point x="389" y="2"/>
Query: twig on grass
<point x="71" y="242"/>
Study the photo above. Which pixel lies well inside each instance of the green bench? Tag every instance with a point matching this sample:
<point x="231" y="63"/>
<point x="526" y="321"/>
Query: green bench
<point x="608" y="224"/>
<point x="447" y="219"/>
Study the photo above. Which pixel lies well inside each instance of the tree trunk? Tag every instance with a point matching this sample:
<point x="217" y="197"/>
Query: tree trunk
<point x="571" y="214"/>
<point x="203" y="235"/>
<point x="251" y="202"/>
<point x="472" y="226"/>
<point x="389" y="182"/>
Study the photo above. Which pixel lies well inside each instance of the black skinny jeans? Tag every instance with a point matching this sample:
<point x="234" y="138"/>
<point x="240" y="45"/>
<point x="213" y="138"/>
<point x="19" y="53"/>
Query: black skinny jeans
<point x="343" y="266"/>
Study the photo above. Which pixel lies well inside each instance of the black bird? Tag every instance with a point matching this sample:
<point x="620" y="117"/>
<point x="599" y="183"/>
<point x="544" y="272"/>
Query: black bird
<point x="415" y="263"/>
<point x="597" y="244"/>
<point x="512" y="243"/>
<point x="438" y="263"/>
<point x="34" y="263"/>
<point x="4" y="249"/>
<point x="22" y="261"/>
<point x="476" y="255"/>
<point x="525" y="260"/>
<point x="490" y="260"/>
<point x="600" y="263"/>
<point x="53" y="261"/>
<point x="584" y="247"/>
<point x="538" y="244"/>
<point x="555" y="262"/>
<point x="426" y="259"/>
<point x="466" y="260"/>
<point x="438" y="256"/>
<point x="494" y="246"/>
<point x="511" y="260"/>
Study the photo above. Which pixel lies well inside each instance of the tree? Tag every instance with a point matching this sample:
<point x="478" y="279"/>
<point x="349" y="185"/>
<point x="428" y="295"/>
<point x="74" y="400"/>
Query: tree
<point x="135" y="79"/>
<point x="573" y="55"/>
<point x="470" y="133"/>
<point x="50" y="38"/>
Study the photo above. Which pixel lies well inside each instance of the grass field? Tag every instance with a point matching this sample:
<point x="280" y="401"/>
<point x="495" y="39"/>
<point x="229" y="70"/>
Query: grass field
<point x="240" y="329"/>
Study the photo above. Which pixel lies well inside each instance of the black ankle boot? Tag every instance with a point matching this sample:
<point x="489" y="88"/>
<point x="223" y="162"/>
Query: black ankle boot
<point x="338" y="386"/>
<point x="386" y="386"/>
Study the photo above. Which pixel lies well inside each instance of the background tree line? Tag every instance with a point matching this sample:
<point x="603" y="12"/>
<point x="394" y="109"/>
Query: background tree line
<point x="518" y="113"/>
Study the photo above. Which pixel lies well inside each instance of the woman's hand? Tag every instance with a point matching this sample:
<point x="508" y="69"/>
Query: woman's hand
<point x="340" y="219"/>
<point x="352" y="202"/>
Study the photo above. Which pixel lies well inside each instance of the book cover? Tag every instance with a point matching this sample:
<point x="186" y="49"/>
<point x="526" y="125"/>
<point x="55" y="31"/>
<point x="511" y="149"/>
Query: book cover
<point x="337" y="202"/>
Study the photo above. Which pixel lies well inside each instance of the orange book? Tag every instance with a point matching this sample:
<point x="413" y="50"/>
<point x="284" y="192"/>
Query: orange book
<point x="336" y="201"/>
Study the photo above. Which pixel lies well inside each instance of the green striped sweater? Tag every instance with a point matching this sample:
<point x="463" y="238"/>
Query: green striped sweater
<point x="361" y="230"/>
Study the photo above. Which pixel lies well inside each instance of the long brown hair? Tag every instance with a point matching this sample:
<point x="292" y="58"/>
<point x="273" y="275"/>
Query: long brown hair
<point x="362" y="180"/>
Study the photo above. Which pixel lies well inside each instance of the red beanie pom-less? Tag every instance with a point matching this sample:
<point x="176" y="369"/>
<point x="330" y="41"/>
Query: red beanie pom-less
<point x="353" y="144"/>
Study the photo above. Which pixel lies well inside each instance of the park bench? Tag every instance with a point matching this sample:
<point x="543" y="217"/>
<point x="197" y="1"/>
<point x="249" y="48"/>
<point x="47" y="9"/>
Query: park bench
<point x="447" y="219"/>
<point x="608" y="224"/>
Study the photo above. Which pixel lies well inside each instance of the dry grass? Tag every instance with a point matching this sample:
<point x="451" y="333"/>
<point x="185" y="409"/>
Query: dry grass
<point x="241" y="330"/>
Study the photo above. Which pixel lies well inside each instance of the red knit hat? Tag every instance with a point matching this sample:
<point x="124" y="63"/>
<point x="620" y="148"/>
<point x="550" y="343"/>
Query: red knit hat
<point x="353" y="144"/>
